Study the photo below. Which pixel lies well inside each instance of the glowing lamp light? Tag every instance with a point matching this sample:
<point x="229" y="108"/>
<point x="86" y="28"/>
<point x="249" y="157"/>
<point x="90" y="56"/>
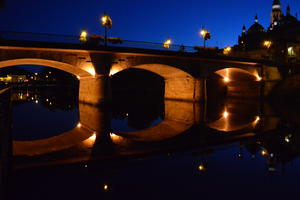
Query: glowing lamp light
<point x="286" y="139"/>
<point x="257" y="119"/>
<point x="78" y="77"/>
<point x="226" y="79"/>
<point x="227" y="50"/>
<point x="90" y="141"/>
<point x="93" y="137"/>
<point x="267" y="43"/>
<point x="201" y="167"/>
<point x="264" y="152"/>
<point x="225" y="114"/>
<point x="79" y="125"/>
<point x="167" y="44"/>
<point x="106" y="21"/>
<point x="83" y="36"/>
<point x="105" y="187"/>
<point x="203" y="32"/>
<point x="258" y="78"/>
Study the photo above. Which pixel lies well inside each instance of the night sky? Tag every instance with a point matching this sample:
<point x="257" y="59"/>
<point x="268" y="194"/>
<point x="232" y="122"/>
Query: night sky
<point x="141" y="20"/>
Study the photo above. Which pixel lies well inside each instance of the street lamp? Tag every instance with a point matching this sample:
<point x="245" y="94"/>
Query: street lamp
<point x="83" y="36"/>
<point x="167" y="44"/>
<point x="267" y="43"/>
<point x="205" y="34"/>
<point x="107" y="23"/>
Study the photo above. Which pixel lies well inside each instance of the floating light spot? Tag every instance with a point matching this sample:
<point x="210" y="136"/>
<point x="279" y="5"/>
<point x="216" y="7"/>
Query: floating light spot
<point x="264" y="152"/>
<point x="105" y="187"/>
<point x="79" y="125"/>
<point x="201" y="167"/>
<point x="36" y="101"/>
<point x="286" y="139"/>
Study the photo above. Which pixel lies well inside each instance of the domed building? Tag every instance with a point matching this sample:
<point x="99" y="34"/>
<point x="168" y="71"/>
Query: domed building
<point x="283" y="34"/>
<point x="252" y="38"/>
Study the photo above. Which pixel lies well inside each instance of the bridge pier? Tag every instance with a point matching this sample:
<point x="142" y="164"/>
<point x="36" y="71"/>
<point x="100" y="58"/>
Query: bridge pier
<point x="183" y="89"/>
<point x="95" y="90"/>
<point x="5" y="141"/>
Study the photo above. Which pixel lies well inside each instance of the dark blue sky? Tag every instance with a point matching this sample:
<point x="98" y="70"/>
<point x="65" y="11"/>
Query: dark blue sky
<point x="142" y="20"/>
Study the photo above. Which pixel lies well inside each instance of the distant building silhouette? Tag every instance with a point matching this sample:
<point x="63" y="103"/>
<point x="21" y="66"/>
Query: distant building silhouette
<point x="283" y="35"/>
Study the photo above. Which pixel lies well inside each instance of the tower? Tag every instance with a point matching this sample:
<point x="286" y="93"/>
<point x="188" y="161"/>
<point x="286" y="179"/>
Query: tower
<point x="276" y="13"/>
<point x="288" y="10"/>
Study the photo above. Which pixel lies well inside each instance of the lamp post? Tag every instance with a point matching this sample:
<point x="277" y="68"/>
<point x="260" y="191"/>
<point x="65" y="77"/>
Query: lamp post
<point x="83" y="36"/>
<point x="267" y="44"/>
<point x="167" y="43"/>
<point x="205" y="34"/>
<point x="107" y="23"/>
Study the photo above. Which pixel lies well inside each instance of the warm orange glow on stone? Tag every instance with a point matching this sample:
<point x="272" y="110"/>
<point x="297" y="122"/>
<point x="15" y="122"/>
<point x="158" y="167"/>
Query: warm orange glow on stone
<point x="115" y="69"/>
<point x="90" y="141"/>
<point x="115" y="138"/>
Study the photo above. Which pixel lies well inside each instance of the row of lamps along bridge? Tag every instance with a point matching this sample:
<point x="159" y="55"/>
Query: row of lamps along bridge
<point x="106" y="21"/>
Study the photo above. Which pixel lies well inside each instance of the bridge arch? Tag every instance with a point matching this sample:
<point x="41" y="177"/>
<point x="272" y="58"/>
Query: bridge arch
<point x="238" y="74"/>
<point x="90" y="85"/>
<point x="179" y="85"/>
<point x="48" y="63"/>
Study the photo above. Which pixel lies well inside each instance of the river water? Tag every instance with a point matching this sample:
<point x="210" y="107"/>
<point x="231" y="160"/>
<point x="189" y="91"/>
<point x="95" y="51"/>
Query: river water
<point x="150" y="148"/>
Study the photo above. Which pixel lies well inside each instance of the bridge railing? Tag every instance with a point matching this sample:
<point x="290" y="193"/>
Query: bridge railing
<point x="94" y="41"/>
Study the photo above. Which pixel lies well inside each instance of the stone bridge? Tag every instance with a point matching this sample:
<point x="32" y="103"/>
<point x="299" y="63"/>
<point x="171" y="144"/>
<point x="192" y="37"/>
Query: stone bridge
<point x="184" y="74"/>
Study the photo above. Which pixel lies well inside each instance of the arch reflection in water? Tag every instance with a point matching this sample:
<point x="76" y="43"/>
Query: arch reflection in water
<point x="179" y="117"/>
<point x="236" y="115"/>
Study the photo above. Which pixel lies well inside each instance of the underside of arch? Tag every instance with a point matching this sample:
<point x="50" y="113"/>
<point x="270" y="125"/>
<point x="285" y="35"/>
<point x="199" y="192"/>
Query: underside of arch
<point x="179" y="85"/>
<point x="49" y="63"/>
<point x="237" y="74"/>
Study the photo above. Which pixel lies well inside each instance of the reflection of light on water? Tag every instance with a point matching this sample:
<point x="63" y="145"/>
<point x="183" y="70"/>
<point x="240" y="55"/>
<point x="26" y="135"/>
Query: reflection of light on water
<point x="90" y="141"/>
<point x="257" y="119"/>
<point x="264" y="152"/>
<point x="105" y="187"/>
<point x="287" y="138"/>
<point x="115" y="138"/>
<point x="201" y="167"/>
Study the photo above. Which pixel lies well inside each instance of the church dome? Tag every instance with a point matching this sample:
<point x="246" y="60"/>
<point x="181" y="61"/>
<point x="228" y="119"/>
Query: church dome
<point x="256" y="28"/>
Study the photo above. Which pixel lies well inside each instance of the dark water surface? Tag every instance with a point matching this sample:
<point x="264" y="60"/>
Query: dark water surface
<point x="148" y="148"/>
